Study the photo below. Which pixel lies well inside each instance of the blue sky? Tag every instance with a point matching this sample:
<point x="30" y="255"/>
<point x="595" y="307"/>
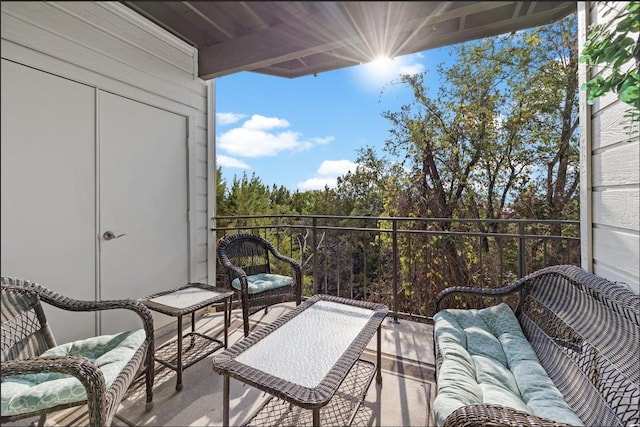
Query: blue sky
<point x="302" y="133"/>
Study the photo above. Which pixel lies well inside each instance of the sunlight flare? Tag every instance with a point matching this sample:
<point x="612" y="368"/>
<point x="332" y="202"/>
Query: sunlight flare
<point x="379" y="71"/>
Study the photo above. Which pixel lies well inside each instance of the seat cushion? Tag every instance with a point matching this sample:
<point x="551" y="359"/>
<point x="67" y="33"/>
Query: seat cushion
<point x="21" y="394"/>
<point x="487" y="359"/>
<point x="263" y="282"/>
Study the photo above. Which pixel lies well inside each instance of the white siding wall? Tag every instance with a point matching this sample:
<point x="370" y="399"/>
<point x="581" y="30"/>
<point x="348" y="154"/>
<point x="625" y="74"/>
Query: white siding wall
<point x="610" y="197"/>
<point x="107" y="46"/>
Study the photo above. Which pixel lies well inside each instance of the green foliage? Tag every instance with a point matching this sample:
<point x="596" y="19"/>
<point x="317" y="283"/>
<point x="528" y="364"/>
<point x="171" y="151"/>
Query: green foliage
<point x="611" y="46"/>
<point x="505" y="122"/>
<point x="221" y="189"/>
<point x="363" y="189"/>
<point x="248" y="196"/>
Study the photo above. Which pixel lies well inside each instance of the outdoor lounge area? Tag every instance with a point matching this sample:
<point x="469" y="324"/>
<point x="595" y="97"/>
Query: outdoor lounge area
<point x="408" y="381"/>
<point x="484" y="370"/>
<point x="110" y="197"/>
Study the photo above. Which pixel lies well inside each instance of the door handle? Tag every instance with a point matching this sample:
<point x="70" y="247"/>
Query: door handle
<point x="109" y="235"/>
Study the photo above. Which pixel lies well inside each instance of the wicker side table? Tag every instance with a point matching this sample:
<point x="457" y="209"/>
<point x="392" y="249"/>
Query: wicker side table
<point x="193" y="346"/>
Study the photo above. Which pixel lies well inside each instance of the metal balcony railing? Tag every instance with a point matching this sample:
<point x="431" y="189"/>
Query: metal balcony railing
<point x="405" y="262"/>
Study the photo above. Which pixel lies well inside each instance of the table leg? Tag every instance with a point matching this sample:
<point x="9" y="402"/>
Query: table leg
<point x="193" y="321"/>
<point x="179" y="356"/>
<point x="227" y="306"/>
<point x="316" y="417"/>
<point x="225" y="400"/>
<point x="379" y="356"/>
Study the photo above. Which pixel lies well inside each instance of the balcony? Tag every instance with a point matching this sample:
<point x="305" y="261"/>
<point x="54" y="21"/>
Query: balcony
<point x="400" y="266"/>
<point x="379" y="259"/>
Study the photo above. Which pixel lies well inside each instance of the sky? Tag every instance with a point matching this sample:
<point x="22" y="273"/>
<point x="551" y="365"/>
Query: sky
<point x="303" y="133"/>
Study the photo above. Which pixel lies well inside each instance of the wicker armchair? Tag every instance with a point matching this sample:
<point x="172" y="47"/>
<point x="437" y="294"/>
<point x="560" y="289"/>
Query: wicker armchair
<point x="37" y="375"/>
<point x="247" y="256"/>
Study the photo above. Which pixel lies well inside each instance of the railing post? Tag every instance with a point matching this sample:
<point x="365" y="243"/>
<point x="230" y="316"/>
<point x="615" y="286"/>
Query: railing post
<point x="395" y="270"/>
<point x="521" y="249"/>
<point x="314" y="242"/>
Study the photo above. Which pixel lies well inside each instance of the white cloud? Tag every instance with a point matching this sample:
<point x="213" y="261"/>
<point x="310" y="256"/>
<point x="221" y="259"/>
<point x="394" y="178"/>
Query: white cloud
<point x="415" y="68"/>
<point x="322" y="141"/>
<point x="259" y="137"/>
<point x="230" y="162"/>
<point x="336" y="167"/>
<point x="229" y="118"/>
<point x="254" y="143"/>
<point x="316" y="184"/>
<point x="327" y="174"/>
<point x="258" y="122"/>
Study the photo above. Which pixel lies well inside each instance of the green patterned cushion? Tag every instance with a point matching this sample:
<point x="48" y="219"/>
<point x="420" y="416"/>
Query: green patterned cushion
<point x="32" y="392"/>
<point x="264" y="282"/>
<point x="487" y="359"/>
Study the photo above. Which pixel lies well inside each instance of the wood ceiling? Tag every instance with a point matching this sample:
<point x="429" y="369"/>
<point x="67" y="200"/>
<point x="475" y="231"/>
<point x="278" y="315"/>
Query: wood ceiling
<point x="292" y="39"/>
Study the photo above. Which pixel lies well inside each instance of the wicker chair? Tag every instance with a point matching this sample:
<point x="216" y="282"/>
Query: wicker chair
<point x="31" y="360"/>
<point x="246" y="256"/>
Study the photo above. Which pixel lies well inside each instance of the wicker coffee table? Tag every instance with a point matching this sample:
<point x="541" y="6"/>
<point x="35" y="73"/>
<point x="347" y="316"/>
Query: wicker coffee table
<point x="308" y="360"/>
<point x="193" y="346"/>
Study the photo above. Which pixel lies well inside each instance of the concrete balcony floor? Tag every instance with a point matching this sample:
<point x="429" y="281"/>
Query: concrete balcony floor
<point x="404" y="398"/>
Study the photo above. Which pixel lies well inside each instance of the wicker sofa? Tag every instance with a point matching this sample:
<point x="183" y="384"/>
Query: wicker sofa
<point x="583" y="330"/>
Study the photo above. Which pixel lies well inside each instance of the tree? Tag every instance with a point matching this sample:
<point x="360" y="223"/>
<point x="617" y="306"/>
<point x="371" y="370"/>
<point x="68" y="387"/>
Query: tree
<point x="553" y="98"/>
<point x="364" y="188"/>
<point x="280" y="200"/>
<point x="505" y="121"/>
<point x="221" y="193"/>
<point x="248" y="197"/>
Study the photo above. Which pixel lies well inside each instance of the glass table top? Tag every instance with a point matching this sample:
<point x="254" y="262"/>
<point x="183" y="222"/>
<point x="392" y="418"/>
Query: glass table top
<point x="304" y="349"/>
<point x="185" y="297"/>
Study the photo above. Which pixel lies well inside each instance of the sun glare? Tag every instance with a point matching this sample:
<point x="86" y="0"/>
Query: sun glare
<point x="382" y="65"/>
<point x="381" y="60"/>
<point x="380" y="70"/>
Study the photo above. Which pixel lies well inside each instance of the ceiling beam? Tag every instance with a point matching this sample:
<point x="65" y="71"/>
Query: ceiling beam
<point x="434" y="40"/>
<point x="208" y="20"/>
<point x="269" y="46"/>
<point x="343" y="24"/>
<point x="326" y="30"/>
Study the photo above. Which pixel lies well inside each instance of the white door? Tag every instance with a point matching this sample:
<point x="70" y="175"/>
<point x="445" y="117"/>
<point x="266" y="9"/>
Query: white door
<point x="143" y="199"/>
<point x="48" y="189"/>
<point x="77" y="162"/>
